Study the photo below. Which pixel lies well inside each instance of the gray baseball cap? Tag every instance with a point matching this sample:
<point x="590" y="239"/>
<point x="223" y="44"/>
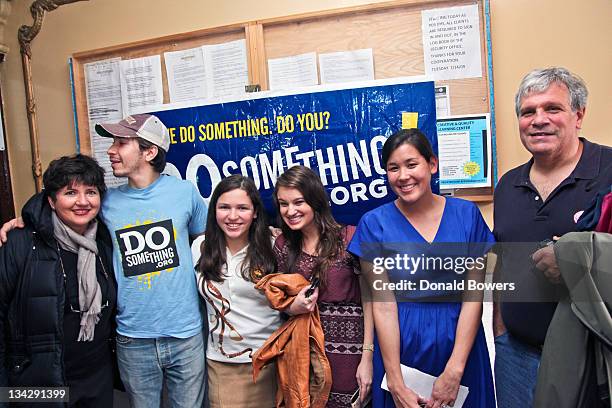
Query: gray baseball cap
<point x="144" y="125"/>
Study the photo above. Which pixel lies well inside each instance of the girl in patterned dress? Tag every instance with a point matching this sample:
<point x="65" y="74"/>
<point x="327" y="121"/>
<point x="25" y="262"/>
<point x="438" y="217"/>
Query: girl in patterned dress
<point x="313" y="244"/>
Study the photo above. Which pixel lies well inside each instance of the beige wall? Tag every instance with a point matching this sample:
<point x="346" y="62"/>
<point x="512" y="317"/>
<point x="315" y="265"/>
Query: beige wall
<point x="525" y="34"/>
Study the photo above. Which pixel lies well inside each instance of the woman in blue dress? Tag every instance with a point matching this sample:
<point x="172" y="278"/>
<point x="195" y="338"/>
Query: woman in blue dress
<point x="435" y="331"/>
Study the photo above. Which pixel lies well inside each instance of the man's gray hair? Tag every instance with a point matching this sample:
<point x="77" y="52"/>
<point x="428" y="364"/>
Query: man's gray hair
<point x="539" y="80"/>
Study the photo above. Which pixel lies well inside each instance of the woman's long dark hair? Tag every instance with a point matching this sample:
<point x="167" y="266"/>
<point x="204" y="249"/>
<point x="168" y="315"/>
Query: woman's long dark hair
<point x="259" y="260"/>
<point x="331" y="243"/>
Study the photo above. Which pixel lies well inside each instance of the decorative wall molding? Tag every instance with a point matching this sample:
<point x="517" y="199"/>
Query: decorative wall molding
<point x="26" y="35"/>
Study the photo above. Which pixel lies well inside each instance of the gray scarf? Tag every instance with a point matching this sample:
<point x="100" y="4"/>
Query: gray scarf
<point x="90" y="295"/>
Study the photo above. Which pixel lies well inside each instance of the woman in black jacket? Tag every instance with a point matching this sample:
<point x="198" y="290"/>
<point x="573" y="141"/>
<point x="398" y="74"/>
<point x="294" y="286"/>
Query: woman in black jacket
<point x="57" y="289"/>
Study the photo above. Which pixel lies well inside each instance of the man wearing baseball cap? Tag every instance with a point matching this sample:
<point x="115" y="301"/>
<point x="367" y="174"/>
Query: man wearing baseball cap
<point x="159" y="326"/>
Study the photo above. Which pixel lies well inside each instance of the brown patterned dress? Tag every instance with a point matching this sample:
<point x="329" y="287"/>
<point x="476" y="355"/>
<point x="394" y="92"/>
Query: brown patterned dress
<point x="341" y="317"/>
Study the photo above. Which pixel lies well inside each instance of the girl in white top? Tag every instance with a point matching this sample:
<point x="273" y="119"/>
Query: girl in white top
<point x="235" y="252"/>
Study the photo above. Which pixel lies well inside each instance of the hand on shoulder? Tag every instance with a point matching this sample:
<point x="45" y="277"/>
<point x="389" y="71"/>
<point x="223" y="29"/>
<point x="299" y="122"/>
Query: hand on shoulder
<point x="9" y="226"/>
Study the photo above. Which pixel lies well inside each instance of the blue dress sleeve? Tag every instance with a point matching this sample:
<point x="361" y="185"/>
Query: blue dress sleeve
<point x="481" y="238"/>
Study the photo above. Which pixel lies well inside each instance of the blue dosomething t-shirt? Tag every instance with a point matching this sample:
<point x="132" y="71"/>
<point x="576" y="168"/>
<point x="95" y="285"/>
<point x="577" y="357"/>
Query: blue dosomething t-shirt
<point x="150" y="227"/>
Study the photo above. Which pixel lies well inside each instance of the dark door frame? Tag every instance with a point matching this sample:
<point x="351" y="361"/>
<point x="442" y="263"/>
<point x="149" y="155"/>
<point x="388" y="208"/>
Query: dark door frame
<point x="7" y="203"/>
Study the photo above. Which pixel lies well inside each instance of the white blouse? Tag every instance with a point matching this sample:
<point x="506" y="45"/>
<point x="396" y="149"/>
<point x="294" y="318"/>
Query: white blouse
<point x="240" y="318"/>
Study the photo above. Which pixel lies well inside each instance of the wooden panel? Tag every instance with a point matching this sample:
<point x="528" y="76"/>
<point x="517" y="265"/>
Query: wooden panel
<point x="344" y="11"/>
<point x="395" y="36"/>
<point x="394" y="32"/>
<point x="396" y="44"/>
<point x="257" y="55"/>
<point x="136" y="50"/>
<point x="392" y="29"/>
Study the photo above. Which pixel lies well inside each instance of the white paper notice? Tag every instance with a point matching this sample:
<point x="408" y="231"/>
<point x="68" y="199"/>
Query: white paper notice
<point x="293" y="72"/>
<point x="422" y="384"/>
<point x="186" y="74"/>
<point x="141" y="83"/>
<point x="226" y="68"/>
<point x="103" y="90"/>
<point x="455" y="149"/>
<point x="347" y="66"/>
<point x="442" y="101"/>
<point x="451" y="42"/>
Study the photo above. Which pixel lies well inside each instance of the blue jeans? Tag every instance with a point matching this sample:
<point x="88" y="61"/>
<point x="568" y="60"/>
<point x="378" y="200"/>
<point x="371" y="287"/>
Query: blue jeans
<point x="145" y="364"/>
<point x="516" y="372"/>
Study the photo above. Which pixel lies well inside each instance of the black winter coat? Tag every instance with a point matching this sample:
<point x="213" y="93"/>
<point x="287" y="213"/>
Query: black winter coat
<point x="32" y="297"/>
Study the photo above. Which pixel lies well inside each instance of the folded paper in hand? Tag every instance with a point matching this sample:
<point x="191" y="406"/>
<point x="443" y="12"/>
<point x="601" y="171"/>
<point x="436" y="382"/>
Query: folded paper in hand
<point x="422" y="384"/>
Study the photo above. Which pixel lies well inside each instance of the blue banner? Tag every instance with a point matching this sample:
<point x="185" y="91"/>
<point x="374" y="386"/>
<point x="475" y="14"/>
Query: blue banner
<point x="339" y="134"/>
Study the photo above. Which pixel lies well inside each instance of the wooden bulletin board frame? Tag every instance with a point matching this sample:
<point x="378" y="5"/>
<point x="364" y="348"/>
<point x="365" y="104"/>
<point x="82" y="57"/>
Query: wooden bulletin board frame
<point x="392" y="29"/>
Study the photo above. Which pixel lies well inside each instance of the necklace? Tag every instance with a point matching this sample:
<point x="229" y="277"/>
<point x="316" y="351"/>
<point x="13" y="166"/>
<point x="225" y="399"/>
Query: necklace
<point x="104" y="295"/>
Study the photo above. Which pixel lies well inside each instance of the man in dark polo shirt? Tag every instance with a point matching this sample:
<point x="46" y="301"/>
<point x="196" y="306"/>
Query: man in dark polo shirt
<point x="534" y="203"/>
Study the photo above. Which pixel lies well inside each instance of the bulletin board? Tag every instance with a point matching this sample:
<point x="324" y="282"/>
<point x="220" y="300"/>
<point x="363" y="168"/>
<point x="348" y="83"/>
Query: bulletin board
<point x="392" y="30"/>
